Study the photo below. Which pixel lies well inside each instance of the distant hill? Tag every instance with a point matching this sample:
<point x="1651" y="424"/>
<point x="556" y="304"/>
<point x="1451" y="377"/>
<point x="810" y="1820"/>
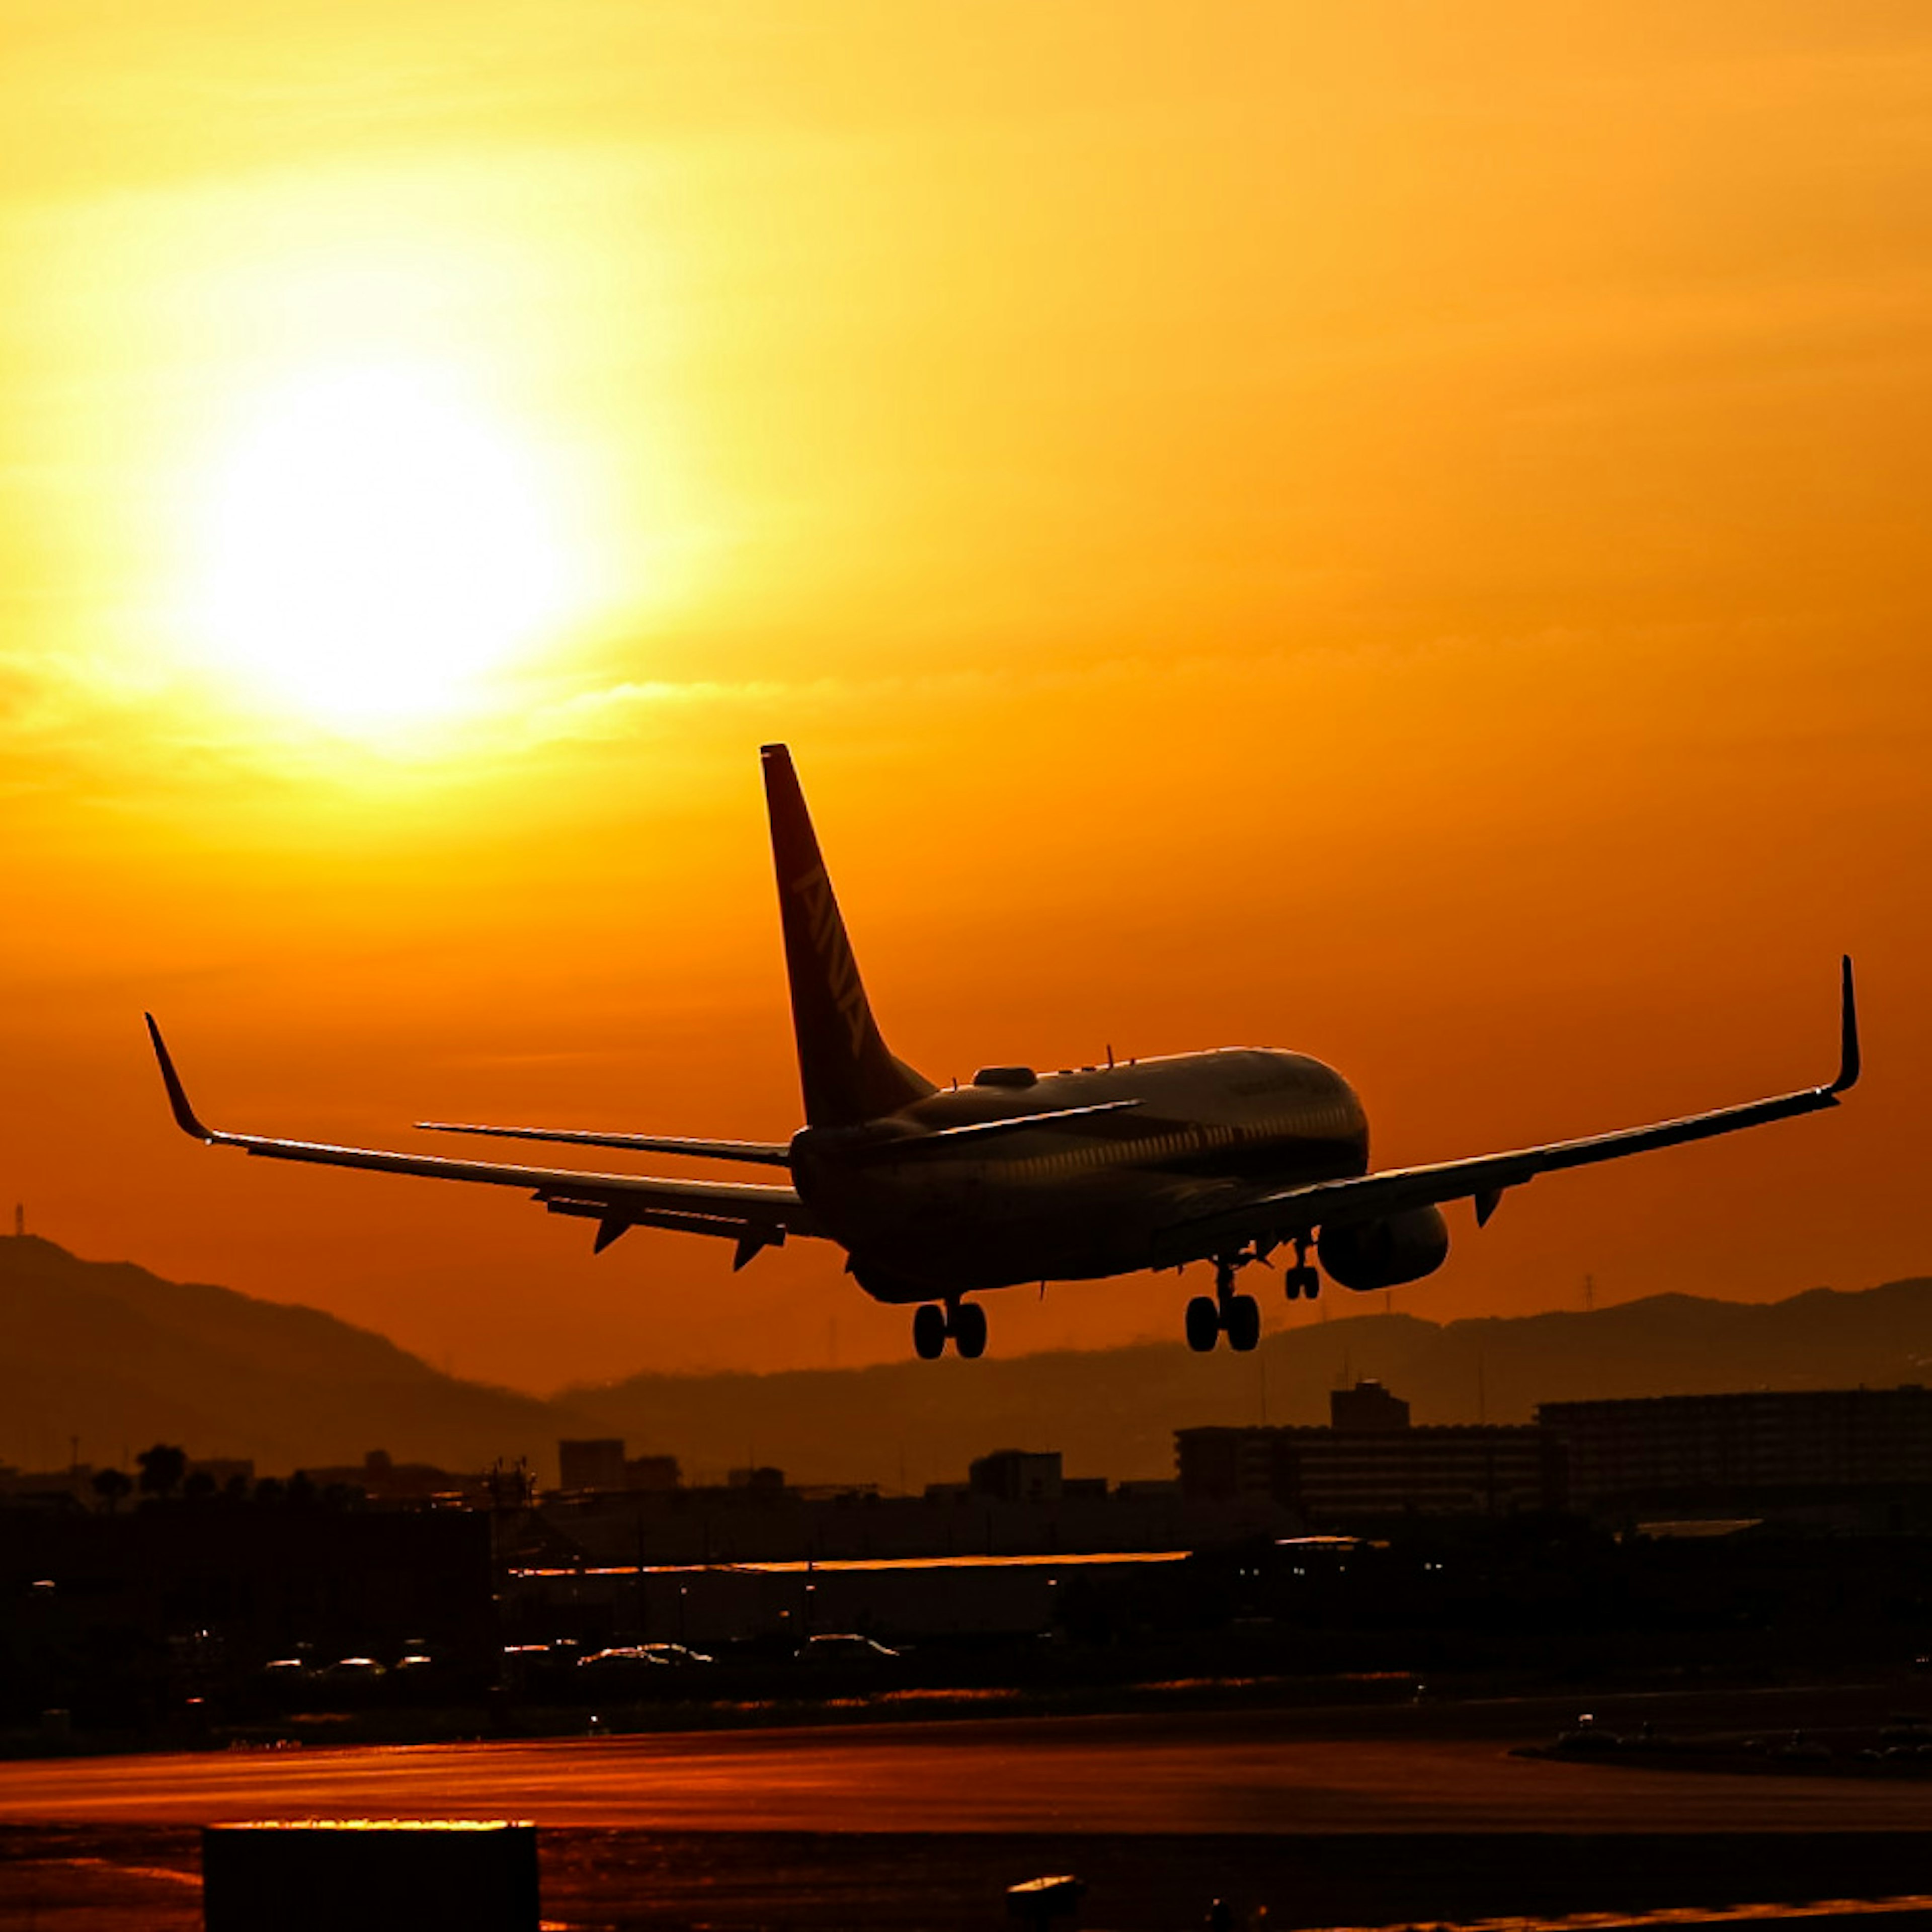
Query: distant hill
<point x="1113" y="1412"/>
<point x="120" y="1358"/>
<point x="105" y="1351"/>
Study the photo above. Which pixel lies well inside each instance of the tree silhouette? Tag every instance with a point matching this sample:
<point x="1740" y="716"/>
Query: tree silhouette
<point x="162" y="1469"/>
<point x="112" y="1487"/>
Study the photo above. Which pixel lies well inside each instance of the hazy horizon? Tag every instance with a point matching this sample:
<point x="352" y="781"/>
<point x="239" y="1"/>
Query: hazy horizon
<point x="101" y="1358"/>
<point x="1411" y="1302"/>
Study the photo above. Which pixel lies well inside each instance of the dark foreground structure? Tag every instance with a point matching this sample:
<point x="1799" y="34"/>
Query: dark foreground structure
<point x="394" y="1876"/>
<point x="145" y="1880"/>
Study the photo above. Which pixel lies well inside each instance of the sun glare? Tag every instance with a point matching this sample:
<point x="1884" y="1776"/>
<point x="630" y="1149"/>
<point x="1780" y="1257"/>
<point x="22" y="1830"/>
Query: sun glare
<point x="374" y="543"/>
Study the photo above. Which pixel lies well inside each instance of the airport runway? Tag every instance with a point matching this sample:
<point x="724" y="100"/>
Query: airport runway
<point x="1255" y="1773"/>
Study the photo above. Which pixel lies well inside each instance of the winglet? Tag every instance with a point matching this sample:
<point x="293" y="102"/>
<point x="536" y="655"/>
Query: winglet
<point x="185" y="1114"/>
<point x="1848" y="1046"/>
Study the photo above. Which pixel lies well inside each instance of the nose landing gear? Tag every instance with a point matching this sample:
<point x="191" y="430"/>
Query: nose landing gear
<point x="962" y="1322"/>
<point x="1236" y="1316"/>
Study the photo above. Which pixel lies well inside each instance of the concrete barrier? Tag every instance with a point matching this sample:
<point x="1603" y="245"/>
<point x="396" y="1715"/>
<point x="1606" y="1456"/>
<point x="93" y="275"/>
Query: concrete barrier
<point x="1039" y="1901"/>
<point x="369" y="1876"/>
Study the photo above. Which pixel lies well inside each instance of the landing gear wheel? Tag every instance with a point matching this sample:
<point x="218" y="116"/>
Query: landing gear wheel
<point x="1203" y="1324"/>
<point x="928" y="1332"/>
<point x="1242" y="1319"/>
<point x="969" y="1330"/>
<point x="1290" y="1284"/>
<point x="1301" y="1281"/>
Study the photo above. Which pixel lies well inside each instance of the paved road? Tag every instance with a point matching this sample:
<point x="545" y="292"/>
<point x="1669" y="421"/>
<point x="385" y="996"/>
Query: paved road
<point x="1251" y="1773"/>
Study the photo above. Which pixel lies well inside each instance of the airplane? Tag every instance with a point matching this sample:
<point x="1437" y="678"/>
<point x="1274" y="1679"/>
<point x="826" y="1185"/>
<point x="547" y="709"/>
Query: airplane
<point x="936" y="1195"/>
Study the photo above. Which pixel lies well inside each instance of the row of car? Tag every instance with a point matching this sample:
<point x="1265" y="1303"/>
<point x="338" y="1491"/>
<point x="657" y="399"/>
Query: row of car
<point x="345" y="1669"/>
<point x="529" y="1665"/>
<point x="829" y="1647"/>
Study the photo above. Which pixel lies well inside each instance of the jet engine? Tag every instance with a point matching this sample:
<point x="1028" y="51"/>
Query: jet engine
<point x="1366" y="1255"/>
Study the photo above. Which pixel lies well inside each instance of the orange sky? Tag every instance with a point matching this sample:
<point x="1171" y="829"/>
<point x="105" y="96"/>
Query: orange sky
<point x="1395" y="532"/>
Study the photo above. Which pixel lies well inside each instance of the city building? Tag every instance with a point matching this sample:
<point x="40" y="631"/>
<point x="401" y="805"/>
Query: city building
<point x="598" y="1463"/>
<point x="1753" y="1448"/>
<point x="1017" y="1476"/>
<point x="1370" y="1463"/>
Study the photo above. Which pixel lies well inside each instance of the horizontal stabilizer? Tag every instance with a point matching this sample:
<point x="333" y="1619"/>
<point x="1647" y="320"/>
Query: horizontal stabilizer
<point x="766" y="1153"/>
<point x="1015" y="1123"/>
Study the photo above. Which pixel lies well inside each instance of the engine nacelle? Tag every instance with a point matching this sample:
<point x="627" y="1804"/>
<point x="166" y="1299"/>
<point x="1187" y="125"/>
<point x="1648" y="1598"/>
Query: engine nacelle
<point x="1366" y="1255"/>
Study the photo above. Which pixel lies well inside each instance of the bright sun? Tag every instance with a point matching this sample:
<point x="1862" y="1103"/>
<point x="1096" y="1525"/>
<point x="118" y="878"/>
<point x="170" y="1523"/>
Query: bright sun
<point x="374" y="542"/>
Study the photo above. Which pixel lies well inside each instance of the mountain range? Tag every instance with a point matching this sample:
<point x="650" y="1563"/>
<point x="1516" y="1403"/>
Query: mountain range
<point x="110" y="1356"/>
<point x="118" y="1358"/>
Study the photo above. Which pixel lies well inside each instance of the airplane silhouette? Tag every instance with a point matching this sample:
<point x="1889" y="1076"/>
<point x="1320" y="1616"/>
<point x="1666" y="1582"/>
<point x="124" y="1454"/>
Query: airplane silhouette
<point x="938" y="1194"/>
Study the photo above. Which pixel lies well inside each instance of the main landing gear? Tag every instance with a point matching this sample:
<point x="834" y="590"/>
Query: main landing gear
<point x="1303" y="1278"/>
<point x="1239" y="1316"/>
<point x="1224" y="1313"/>
<point x="964" y="1322"/>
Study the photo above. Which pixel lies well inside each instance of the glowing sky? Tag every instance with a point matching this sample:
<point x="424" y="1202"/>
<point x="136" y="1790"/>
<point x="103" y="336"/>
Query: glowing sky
<point x="1395" y="531"/>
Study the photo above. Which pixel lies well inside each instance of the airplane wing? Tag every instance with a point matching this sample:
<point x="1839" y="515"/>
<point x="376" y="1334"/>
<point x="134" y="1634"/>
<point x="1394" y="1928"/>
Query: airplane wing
<point x="1290" y="1211"/>
<point x="754" y="1216"/>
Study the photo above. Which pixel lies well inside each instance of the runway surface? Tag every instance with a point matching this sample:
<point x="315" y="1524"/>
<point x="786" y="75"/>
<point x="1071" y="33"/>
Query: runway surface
<point x="1256" y="1773"/>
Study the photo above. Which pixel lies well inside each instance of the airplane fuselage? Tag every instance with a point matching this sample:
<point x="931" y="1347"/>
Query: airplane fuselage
<point x="1076" y="1200"/>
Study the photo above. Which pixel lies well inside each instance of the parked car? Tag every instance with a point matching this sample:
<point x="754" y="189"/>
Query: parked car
<point x="847" y="1648"/>
<point x="623" y="1659"/>
<point x="677" y="1653"/>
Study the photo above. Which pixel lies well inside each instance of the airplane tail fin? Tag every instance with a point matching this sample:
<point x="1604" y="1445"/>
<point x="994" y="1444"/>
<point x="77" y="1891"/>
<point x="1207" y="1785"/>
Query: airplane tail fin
<point x="844" y="1065"/>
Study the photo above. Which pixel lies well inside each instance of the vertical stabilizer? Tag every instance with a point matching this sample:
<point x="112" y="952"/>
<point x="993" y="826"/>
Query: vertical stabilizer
<point x="847" y="1073"/>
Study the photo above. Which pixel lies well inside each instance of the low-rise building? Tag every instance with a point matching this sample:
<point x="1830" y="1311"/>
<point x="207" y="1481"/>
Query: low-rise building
<point x="1370" y="1463"/>
<point x="1018" y="1476"/>
<point x="1753" y="1447"/>
<point x="599" y="1465"/>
